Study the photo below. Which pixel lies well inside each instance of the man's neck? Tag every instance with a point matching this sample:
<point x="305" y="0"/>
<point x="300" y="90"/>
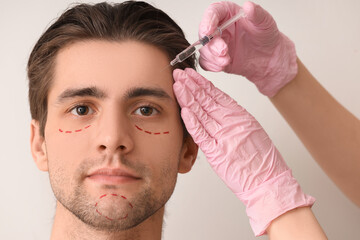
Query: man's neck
<point x="68" y="227"/>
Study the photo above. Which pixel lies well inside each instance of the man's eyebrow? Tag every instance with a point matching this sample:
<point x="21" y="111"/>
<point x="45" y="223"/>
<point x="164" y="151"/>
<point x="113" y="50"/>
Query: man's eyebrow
<point x="142" y="91"/>
<point x="81" y="92"/>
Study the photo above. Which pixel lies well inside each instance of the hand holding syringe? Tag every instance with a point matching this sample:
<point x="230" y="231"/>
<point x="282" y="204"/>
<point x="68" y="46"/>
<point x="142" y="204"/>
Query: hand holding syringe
<point x="236" y="146"/>
<point x="206" y="39"/>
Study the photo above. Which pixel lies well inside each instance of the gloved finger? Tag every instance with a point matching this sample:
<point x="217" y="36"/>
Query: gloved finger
<point x="257" y="16"/>
<point x="211" y="18"/>
<point x="199" y="134"/>
<point x="186" y="99"/>
<point x="217" y="47"/>
<point x="209" y="124"/>
<point x="216" y="94"/>
<point x="209" y="66"/>
<point x="213" y="63"/>
<point x="214" y="15"/>
<point x="201" y="100"/>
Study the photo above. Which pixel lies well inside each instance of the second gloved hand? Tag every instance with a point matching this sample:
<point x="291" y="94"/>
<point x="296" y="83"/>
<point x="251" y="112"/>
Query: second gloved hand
<point x="252" y="47"/>
<point x="238" y="149"/>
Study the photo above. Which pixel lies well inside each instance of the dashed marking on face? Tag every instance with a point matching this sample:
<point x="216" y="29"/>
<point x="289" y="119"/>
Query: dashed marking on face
<point x="112" y="195"/>
<point x="74" y="131"/>
<point x="149" y="132"/>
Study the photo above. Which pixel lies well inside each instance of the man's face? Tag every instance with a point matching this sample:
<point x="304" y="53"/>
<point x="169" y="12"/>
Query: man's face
<point x="113" y="139"/>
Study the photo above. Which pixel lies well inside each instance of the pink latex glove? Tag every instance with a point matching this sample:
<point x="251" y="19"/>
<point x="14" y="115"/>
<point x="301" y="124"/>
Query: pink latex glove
<point x="252" y="47"/>
<point x="238" y="149"/>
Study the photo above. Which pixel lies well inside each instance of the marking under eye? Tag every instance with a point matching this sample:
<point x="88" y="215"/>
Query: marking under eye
<point x="74" y="131"/>
<point x="148" y="132"/>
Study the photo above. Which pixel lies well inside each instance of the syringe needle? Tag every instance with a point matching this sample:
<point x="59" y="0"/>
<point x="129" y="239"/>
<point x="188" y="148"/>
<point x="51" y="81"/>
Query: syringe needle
<point x="206" y="39"/>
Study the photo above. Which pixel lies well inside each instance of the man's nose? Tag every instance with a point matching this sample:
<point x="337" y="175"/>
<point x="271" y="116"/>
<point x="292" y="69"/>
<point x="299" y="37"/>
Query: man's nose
<point x="114" y="133"/>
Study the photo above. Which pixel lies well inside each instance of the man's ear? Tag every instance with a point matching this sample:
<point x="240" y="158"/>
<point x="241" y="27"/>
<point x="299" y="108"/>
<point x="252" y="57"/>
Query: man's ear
<point x="188" y="155"/>
<point x="38" y="147"/>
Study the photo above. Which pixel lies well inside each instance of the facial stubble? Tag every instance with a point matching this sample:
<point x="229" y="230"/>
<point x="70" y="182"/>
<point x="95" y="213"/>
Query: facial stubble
<point x="145" y="201"/>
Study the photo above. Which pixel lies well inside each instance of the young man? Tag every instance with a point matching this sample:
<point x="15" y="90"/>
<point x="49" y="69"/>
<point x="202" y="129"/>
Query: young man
<point x="107" y="128"/>
<point x="110" y="133"/>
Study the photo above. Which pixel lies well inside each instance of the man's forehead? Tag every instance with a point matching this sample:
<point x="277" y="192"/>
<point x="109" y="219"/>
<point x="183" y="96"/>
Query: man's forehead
<point x="144" y="55"/>
<point x="100" y="65"/>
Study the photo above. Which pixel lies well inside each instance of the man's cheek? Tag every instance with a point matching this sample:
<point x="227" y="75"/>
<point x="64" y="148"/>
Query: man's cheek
<point x="160" y="145"/>
<point x="161" y="136"/>
<point x="68" y="143"/>
<point x="74" y="130"/>
<point x="162" y="129"/>
<point x="153" y="129"/>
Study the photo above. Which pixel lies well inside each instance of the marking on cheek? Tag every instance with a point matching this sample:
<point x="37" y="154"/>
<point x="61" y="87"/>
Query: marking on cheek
<point x="114" y="195"/>
<point x="75" y="131"/>
<point x="138" y="128"/>
<point x="148" y="132"/>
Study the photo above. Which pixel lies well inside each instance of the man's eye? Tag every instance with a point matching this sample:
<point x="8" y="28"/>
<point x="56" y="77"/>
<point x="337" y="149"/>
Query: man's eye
<point x="82" y="110"/>
<point x="146" y="111"/>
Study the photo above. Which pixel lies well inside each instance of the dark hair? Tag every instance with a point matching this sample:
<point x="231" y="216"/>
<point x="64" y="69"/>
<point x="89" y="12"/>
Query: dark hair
<point x="129" y="20"/>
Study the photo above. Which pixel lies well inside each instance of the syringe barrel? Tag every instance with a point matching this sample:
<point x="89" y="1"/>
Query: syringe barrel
<point x="206" y="39"/>
<point x="185" y="54"/>
<point x="190" y="50"/>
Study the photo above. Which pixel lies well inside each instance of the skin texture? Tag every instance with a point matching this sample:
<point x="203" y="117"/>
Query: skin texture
<point x="296" y="224"/>
<point x="328" y="130"/>
<point x="113" y="70"/>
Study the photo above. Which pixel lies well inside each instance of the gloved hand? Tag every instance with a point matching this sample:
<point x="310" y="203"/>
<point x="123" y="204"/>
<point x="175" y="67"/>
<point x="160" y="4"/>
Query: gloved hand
<point x="252" y="47"/>
<point x="238" y="149"/>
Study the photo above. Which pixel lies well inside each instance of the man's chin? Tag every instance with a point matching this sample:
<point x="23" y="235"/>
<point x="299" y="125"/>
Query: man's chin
<point x="112" y="207"/>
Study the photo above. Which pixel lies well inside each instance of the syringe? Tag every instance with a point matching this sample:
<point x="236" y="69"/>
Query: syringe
<point x="206" y="39"/>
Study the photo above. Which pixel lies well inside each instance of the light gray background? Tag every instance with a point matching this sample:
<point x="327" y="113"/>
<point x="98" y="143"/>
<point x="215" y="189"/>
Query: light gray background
<point x="327" y="39"/>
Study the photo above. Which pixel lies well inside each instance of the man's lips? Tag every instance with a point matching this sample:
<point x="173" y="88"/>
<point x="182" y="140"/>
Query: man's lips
<point x="112" y="176"/>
